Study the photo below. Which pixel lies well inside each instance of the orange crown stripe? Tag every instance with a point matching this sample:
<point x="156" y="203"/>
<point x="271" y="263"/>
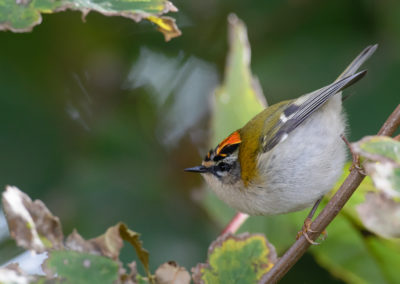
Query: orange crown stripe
<point x="232" y="139"/>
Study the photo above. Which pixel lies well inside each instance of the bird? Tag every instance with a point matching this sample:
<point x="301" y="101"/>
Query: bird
<point x="288" y="156"/>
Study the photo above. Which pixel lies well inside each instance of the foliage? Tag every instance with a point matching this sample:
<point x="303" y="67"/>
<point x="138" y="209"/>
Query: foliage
<point x="236" y="259"/>
<point x="243" y="258"/>
<point x="380" y="212"/>
<point x="80" y="267"/>
<point x="73" y="259"/>
<point x="21" y="16"/>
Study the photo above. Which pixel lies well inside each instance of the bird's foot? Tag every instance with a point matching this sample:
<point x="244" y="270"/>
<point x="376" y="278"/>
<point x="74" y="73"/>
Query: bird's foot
<point x="355" y="157"/>
<point x="307" y="229"/>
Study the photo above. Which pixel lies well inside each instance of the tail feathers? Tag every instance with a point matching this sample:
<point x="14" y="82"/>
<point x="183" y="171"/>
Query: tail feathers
<point x="358" y="61"/>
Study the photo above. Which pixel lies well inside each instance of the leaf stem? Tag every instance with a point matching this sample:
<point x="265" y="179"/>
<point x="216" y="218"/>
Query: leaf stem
<point x="296" y="251"/>
<point x="235" y="223"/>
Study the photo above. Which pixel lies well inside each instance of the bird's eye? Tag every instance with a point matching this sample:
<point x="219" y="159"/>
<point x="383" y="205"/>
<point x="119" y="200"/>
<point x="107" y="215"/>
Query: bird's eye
<point x="224" y="167"/>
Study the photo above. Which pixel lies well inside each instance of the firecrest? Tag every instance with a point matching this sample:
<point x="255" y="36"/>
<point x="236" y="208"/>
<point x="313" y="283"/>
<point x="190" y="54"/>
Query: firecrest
<point x="288" y="156"/>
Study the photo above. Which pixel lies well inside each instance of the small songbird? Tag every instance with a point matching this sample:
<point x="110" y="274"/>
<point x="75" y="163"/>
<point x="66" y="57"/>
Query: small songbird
<point x="288" y="156"/>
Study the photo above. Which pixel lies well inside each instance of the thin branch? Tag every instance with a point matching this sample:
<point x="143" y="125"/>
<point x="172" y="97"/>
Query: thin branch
<point x="391" y="124"/>
<point x="330" y="211"/>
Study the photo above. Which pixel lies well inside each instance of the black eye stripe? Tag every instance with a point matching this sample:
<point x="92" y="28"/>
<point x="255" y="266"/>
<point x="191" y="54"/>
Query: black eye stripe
<point x="218" y="158"/>
<point x="229" y="149"/>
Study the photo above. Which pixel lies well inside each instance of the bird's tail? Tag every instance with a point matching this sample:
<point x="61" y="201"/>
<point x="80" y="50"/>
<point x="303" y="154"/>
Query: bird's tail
<point x="358" y="61"/>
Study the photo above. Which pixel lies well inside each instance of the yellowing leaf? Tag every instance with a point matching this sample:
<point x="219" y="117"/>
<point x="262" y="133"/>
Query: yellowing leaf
<point x="22" y="16"/>
<point x="236" y="259"/>
<point x="167" y="26"/>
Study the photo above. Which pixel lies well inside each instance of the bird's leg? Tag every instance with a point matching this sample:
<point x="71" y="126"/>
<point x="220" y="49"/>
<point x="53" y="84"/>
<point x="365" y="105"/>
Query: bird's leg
<point x="307" y="224"/>
<point x="356" y="158"/>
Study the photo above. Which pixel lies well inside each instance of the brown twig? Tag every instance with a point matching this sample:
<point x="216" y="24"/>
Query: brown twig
<point x="330" y="211"/>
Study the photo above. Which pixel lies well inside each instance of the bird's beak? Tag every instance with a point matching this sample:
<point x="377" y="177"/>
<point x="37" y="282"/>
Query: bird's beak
<point x="198" y="169"/>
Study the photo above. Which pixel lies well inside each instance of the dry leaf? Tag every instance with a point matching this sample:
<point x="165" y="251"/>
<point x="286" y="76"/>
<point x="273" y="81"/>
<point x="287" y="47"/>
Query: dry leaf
<point x="171" y="273"/>
<point x="31" y="224"/>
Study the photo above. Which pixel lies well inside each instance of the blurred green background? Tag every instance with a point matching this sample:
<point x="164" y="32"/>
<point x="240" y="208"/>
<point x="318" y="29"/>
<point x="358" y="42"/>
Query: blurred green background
<point x="99" y="118"/>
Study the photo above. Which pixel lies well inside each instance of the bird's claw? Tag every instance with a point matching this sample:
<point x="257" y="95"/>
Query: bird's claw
<point x="356" y="165"/>
<point x="356" y="158"/>
<point x="305" y="230"/>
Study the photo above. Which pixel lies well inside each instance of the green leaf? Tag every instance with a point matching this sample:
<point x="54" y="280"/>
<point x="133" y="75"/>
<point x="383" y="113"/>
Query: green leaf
<point x="77" y="267"/>
<point x="236" y="259"/>
<point x="240" y="96"/>
<point x="388" y="254"/>
<point x="23" y="15"/>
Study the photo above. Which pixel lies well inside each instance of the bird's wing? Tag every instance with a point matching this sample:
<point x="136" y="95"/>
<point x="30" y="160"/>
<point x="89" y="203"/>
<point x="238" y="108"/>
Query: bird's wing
<point x="294" y="112"/>
<point x="300" y="109"/>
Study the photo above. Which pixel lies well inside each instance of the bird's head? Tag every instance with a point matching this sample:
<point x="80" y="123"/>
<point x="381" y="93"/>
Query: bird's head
<point x="221" y="164"/>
